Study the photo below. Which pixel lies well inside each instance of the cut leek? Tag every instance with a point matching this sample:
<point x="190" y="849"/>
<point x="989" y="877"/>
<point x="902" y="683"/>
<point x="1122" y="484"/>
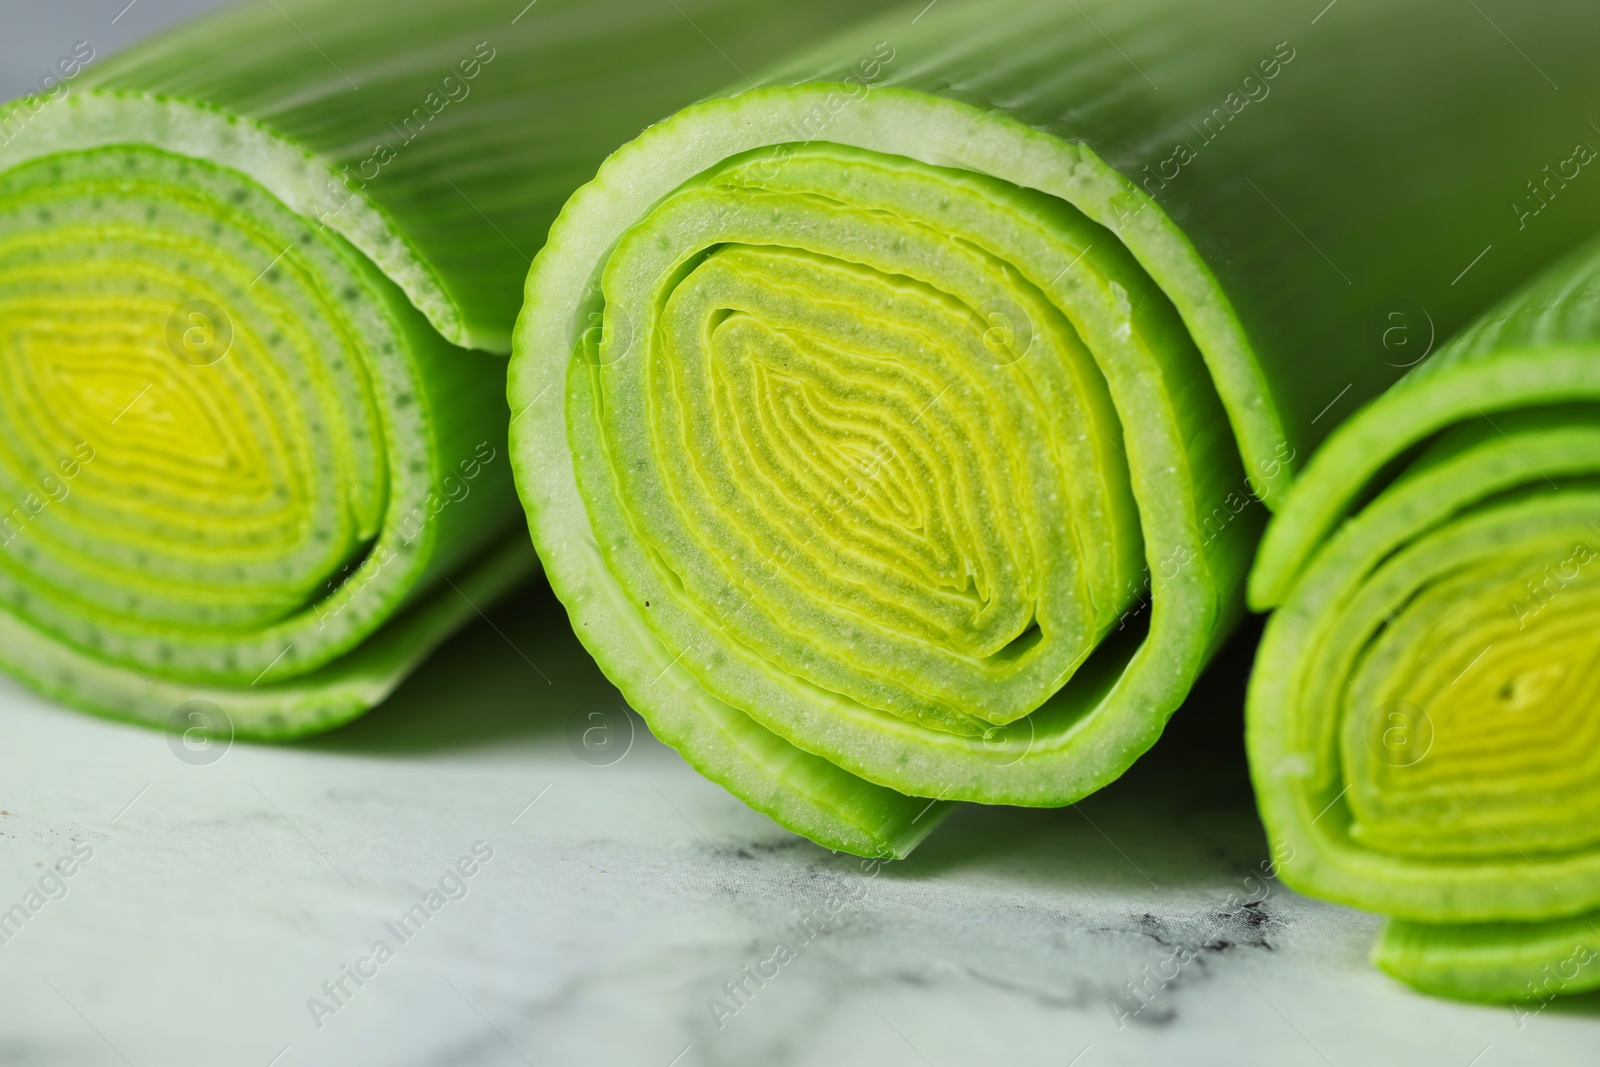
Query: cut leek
<point x="1421" y="716"/>
<point x="890" y="428"/>
<point x="245" y="454"/>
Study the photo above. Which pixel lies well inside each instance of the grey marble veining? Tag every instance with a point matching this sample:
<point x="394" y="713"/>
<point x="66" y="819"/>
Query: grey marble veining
<point x="620" y="905"/>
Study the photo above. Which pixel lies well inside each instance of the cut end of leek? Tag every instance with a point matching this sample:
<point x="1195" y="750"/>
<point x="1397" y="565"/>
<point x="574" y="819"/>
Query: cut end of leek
<point x="877" y="456"/>
<point x="910" y="468"/>
<point x="162" y="348"/>
<point x="220" y="429"/>
<point x="1420" y="719"/>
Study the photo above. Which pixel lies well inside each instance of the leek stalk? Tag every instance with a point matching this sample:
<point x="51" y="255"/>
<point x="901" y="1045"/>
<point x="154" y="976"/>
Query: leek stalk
<point x="1420" y="722"/>
<point x="891" y="425"/>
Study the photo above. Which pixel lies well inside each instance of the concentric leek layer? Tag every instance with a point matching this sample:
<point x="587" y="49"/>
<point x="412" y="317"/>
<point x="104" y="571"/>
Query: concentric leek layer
<point x="888" y="479"/>
<point x="1422" y="719"/>
<point x="816" y="433"/>
<point x="223" y="438"/>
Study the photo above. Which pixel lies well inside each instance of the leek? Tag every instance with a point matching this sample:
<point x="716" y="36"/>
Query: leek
<point x="891" y="425"/>
<point x="246" y="455"/>
<point x="1420" y="728"/>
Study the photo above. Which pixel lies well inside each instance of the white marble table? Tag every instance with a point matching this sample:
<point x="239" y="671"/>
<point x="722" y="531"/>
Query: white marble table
<point x="220" y="897"/>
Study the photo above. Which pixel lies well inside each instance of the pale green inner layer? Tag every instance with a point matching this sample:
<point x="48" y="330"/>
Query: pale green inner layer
<point x="1422" y="724"/>
<point x="1436" y="667"/>
<point x="853" y="416"/>
<point x="208" y="411"/>
<point x="1469" y="726"/>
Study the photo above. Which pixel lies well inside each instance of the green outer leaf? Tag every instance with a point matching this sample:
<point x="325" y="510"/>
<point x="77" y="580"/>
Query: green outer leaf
<point x="276" y="710"/>
<point x="1065" y="100"/>
<point x="263" y="122"/>
<point x="1494" y="962"/>
<point x="1462" y="471"/>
